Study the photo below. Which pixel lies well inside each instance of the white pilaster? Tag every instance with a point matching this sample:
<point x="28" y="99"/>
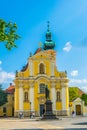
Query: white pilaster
<point x="21" y="97"/>
<point x="53" y="96"/>
<point x="32" y="96"/>
<point x="52" y="69"/>
<point x="63" y="98"/>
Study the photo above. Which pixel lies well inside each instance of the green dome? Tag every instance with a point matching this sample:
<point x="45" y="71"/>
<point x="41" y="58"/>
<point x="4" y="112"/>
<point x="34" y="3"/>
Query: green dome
<point x="49" y="44"/>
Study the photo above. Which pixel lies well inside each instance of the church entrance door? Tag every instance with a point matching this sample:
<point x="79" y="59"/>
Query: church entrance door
<point x="41" y="109"/>
<point x="78" y="109"/>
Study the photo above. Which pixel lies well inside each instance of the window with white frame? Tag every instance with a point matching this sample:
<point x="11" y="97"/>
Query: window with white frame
<point x="42" y="88"/>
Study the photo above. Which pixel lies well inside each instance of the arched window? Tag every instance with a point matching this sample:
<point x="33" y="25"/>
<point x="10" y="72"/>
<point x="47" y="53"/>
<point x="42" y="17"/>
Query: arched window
<point x="26" y="96"/>
<point x="41" y="68"/>
<point x="58" y="96"/>
<point x="42" y="88"/>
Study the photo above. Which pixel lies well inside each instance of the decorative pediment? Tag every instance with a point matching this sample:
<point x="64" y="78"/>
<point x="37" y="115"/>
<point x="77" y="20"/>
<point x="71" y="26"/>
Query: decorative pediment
<point x="40" y="55"/>
<point x="44" y="54"/>
<point x="77" y="100"/>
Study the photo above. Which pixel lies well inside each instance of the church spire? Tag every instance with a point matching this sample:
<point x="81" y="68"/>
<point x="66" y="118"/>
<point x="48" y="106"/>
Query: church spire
<point x="49" y="44"/>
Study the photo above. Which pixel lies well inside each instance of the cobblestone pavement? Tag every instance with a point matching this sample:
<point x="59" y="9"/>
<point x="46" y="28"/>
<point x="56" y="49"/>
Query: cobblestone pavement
<point x="77" y="123"/>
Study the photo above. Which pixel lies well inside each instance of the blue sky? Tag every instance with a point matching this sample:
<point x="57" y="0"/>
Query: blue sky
<point x="68" y="24"/>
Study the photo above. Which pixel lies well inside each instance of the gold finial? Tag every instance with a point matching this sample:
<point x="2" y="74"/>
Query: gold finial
<point x="40" y="44"/>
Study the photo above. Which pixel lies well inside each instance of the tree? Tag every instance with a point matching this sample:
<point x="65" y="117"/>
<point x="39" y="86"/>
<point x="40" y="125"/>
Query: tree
<point x="73" y="93"/>
<point x="84" y="98"/>
<point x="3" y="96"/>
<point x="8" y="34"/>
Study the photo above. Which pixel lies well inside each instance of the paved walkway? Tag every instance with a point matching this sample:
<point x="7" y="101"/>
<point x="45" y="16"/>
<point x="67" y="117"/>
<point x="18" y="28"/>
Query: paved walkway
<point x="77" y="123"/>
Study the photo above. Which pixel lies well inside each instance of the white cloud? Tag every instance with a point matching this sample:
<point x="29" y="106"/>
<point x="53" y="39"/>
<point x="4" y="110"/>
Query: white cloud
<point x="84" y="88"/>
<point x="74" y="73"/>
<point x="6" y="77"/>
<point x="0" y="62"/>
<point x="78" y="81"/>
<point x="67" y="47"/>
<point x="0" y="68"/>
<point x="81" y="83"/>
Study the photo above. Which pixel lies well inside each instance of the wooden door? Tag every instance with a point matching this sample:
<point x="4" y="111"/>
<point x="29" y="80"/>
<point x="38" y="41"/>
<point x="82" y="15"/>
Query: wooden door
<point x="78" y="109"/>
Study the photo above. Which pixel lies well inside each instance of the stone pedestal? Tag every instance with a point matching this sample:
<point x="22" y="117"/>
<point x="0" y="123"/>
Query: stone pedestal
<point x="48" y="111"/>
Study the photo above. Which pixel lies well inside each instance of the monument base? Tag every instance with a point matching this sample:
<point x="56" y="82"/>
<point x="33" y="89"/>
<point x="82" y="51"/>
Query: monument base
<point x="48" y="111"/>
<point x="49" y="116"/>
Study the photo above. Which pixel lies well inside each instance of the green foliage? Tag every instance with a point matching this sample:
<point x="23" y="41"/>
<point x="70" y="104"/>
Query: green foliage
<point x="8" y="34"/>
<point x="3" y="96"/>
<point x="73" y="93"/>
<point x="84" y="98"/>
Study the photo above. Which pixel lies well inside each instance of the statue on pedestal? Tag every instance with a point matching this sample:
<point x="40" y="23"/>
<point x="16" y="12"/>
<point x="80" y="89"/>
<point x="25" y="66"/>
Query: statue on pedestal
<point x="47" y="92"/>
<point x="47" y="112"/>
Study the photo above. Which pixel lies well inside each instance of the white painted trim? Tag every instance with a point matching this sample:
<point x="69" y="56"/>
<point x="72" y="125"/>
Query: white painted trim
<point x="53" y="91"/>
<point x="77" y="99"/>
<point x="63" y="98"/>
<point x="32" y="97"/>
<point x="21" y="96"/>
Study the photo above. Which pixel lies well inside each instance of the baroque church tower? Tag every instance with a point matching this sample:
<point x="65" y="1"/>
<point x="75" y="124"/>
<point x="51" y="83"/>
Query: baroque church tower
<point x="30" y="82"/>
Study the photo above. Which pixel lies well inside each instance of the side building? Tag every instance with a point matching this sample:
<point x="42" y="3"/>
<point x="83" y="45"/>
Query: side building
<point x="30" y="82"/>
<point x="7" y="110"/>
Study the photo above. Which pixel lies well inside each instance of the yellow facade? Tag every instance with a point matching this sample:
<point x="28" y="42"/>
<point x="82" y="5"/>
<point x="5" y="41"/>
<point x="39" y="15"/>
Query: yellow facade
<point x="39" y="72"/>
<point x="8" y="108"/>
<point x="28" y="83"/>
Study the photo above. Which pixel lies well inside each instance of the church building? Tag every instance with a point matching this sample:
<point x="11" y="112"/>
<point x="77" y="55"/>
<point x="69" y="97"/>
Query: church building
<point x="39" y="72"/>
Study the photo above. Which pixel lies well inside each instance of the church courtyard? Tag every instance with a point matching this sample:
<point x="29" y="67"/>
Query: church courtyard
<point x="69" y="123"/>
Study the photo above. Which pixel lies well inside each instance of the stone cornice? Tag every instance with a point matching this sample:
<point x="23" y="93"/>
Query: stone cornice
<point x="38" y="76"/>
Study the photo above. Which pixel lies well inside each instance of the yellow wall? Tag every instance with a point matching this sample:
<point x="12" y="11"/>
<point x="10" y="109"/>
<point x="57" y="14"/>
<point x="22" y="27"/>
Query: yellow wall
<point x="59" y="105"/>
<point x="9" y="106"/>
<point x="26" y="106"/>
